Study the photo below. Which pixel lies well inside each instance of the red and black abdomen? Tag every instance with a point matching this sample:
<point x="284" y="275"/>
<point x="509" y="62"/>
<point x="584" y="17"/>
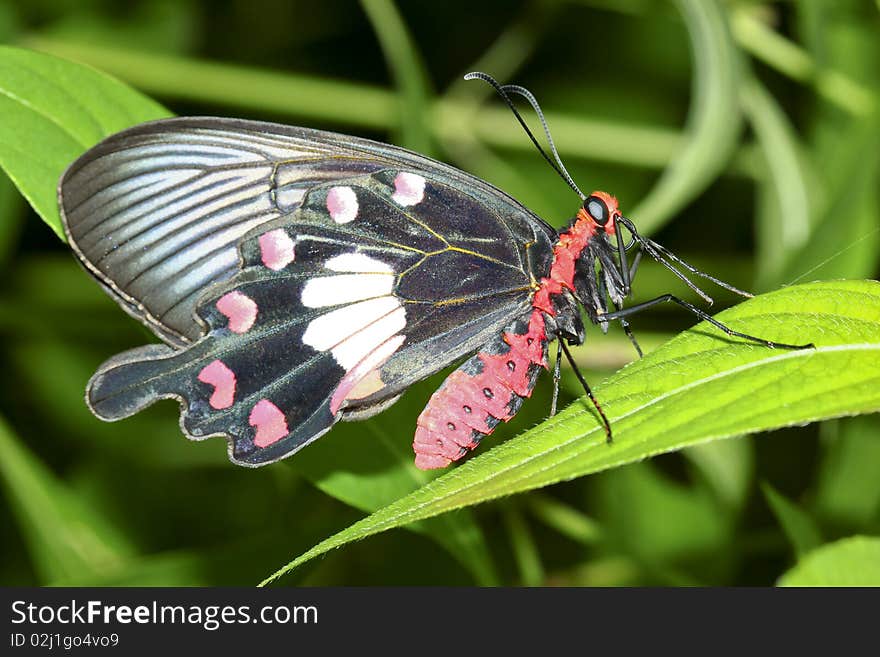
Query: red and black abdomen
<point x="487" y="389"/>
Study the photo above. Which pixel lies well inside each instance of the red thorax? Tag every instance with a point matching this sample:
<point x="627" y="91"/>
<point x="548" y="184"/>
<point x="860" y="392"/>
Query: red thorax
<point x="568" y="249"/>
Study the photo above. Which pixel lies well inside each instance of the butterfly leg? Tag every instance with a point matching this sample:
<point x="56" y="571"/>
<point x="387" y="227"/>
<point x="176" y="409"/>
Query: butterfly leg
<point x="586" y="387"/>
<point x="557" y="375"/>
<point x="705" y="317"/>
<point x="626" y="329"/>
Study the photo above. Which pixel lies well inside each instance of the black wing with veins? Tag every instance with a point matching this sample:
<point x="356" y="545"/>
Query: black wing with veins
<point x="156" y="212"/>
<point x="301" y="277"/>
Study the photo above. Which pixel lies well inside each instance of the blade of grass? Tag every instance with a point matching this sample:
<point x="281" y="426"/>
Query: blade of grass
<point x="790" y="59"/>
<point x="784" y="219"/>
<point x="848" y="493"/>
<point x="799" y="527"/>
<point x="408" y="71"/>
<point x="66" y="539"/>
<point x="846" y="231"/>
<point x="525" y="551"/>
<point x="360" y="105"/>
<point x="508" y="52"/>
<point x="660" y="522"/>
<point x="713" y="123"/>
<point x="567" y="520"/>
<point x="728" y="467"/>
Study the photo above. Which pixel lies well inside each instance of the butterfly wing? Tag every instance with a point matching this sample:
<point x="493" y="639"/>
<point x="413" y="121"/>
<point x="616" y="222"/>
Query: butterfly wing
<point x="370" y="284"/>
<point x="156" y="212"/>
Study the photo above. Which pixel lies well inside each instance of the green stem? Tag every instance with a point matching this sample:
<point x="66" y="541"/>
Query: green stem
<point x="528" y="559"/>
<point x="407" y="69"/>
<point x="565" y="519"/>
<point x="364" y="106"/>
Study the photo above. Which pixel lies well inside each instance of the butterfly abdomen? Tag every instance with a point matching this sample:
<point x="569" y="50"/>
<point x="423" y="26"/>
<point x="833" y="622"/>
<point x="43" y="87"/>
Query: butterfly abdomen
<point x="490" y="387"/>
<point x="487" y="389"/>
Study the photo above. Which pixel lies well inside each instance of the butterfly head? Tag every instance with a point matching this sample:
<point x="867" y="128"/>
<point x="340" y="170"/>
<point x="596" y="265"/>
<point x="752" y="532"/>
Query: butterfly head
<point x="600" y="209"/>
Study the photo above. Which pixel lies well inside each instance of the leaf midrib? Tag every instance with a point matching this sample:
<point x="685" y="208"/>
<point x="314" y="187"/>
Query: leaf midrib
<point x="411" y="513"/>
<point x="720" y="375"/>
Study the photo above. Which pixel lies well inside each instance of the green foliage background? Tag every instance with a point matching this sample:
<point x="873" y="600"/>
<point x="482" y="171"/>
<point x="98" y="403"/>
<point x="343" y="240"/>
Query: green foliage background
<point x="742" y="135"/>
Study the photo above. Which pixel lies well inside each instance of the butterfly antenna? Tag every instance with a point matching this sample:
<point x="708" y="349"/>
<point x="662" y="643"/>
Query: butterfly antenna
<point x="554" y="162"/>
<point x="525" y="93"/>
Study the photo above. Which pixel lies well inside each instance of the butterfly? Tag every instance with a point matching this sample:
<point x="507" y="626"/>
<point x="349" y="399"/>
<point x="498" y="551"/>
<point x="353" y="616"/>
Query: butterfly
<point x="297" y="278"/>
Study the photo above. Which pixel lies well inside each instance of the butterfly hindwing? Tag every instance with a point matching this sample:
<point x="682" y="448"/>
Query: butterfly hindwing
<point x="368" y="286"/>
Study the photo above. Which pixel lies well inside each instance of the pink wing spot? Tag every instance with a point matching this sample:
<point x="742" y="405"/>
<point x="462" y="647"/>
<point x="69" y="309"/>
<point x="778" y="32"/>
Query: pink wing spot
<point x="270" y="423"/>
<point x="223" y="379"/>
<point x="409" y="189"/>
<point x="342" y="204"/>
<point x="240" y="309"/>
<point x="276" y="249"/>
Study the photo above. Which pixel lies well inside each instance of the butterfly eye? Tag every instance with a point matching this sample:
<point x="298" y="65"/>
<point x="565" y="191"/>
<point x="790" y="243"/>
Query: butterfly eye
<point x="596" y="208"/>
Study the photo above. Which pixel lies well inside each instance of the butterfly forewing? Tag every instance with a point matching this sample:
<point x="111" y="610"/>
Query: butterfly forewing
<point x="372" y="283"/>
<point x="156" y="212"/>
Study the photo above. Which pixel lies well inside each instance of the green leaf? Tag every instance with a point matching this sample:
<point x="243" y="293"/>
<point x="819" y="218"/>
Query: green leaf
<point x="853" y="561"/>
<point x="52" y="111"/>
<point x="699" y="386"/>
<point x="369" y="464"/>
<point x="799" y="527"/>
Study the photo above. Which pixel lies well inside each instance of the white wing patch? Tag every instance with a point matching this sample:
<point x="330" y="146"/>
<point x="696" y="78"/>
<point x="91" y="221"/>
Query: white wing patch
<point x="353" y="332"/>
<point x="332" y="328"/>
<point x="369" y="316"/>
<point x="354" y="349"/>
<point x="358" y="263"/>
<point x="345" y="288"/>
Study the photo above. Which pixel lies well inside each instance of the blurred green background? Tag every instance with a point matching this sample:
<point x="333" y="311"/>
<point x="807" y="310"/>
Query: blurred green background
<point x="742" y="135"/>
